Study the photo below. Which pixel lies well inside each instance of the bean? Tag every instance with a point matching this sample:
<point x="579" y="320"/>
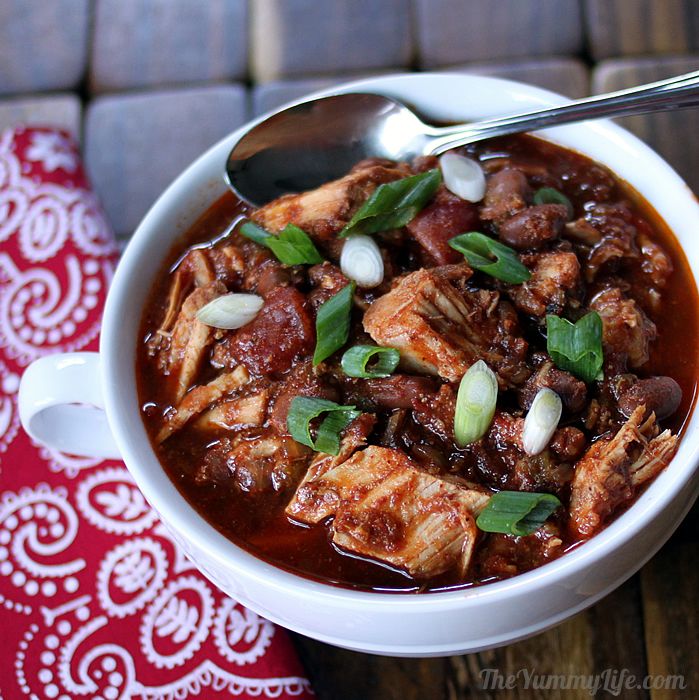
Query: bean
<point x="507" y="192"/>
<point x="661" y="395"/>
<point x="572" y="391"/>
<point x="534" y="226"/>
<point x="396" y="391"/>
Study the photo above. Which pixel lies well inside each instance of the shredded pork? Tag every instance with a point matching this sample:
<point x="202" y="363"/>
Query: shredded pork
<point x="385" y="508"/>
<point x="442" y="330"/>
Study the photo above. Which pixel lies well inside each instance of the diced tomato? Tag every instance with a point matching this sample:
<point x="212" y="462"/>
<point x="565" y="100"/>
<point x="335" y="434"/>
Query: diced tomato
<point x="282" y="332"/>
<point x="436" y="224"/>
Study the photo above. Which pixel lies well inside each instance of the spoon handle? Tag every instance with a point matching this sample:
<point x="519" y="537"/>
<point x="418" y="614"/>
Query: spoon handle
<point x="673" y="93"/>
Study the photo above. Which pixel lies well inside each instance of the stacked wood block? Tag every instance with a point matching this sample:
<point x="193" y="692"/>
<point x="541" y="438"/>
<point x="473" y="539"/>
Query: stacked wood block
<point x="43" y="45"/>
<point x="145" y="43"/>
<point x="136" y="144"/>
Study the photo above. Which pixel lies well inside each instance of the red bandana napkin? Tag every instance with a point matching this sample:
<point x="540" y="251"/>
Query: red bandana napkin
<point x="95" y="598"/>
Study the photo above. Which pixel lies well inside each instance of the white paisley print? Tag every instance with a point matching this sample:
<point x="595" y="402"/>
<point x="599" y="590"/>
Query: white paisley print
<point x="96" y="600"/>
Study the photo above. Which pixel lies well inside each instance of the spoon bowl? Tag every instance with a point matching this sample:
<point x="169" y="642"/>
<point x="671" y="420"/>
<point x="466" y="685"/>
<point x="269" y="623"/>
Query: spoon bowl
<point x="308" y="144"/>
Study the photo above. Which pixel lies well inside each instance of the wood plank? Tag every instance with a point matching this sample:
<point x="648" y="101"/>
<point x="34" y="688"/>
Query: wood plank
<point x="563" y="74"/>
<point x="609" y="635"/>
<point x="670" y="582"/>
<point x="43" y="45"/>
<point x="672" y="134"/>
<point x="298" y="38"/>
<point x="454" y="31"/>
<point x="616" y="626"/>
<point x="142" y="43"/>
<point x="626" y="27"/>
<point x="688" y="531"/>
<point x="338" y="674"/>
<point x="137" y="143"/>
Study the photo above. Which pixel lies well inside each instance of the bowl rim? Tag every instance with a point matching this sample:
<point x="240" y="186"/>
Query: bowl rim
<point x="233" y="557"/>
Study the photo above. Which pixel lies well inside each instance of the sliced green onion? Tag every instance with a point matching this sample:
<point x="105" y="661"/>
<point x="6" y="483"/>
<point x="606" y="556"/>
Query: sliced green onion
<point x="394" y="204"/>
<point x="576" y="347"/>
<point x="490" y="256"/>
<point x="541" y="421"/>
<point x="475" y="404"/>
<point x="516" y="512"/>
<point x="230" y="311"/>
<point x="292" y="246"/>
<point x="361" y="261"/>
<point x="332" y="323"/>
<point x="356" y="359"/>
<point x="549" y="195"/>
<point x="463" y="176"/>
<point x="255" y="233"/>
<point x="303" y="410"/>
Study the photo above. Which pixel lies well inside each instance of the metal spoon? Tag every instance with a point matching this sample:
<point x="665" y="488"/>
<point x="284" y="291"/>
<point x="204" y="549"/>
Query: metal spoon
<point x="316" y="141"/>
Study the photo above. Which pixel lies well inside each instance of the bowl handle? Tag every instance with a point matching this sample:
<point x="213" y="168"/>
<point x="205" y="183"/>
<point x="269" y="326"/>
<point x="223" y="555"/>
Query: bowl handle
<point x="61" y="405"/>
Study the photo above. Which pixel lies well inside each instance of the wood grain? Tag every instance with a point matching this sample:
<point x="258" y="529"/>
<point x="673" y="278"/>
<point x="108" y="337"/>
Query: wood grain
<point x="43" y="45"/>
<point x="609" y="635"/>
<point x="455" y="31"/>
<point x="338" y="674"/>
<point x="142" y="43"/>
<point x="628" y="27"/>
<point x="670" y="583"/>
<point x="137" y="143"/>
<point x="291" y="38"/>
<point x="672" y="134"/>
<point x="569" y="76"/>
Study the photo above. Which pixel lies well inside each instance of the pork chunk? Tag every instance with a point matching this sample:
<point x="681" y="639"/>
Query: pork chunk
<point x="255" y="464"/>
<point x="617" y="225"/>
<point x="626" y="330"/>
<point x="326" y="210"/>
<point x="656" y="263"/>
<point x="396" y="391"/>
<point x="555" y="277"/>
<point x="190" y="339"/>
<point x="200" y="398"/>
<point x="387" y="509"/>
<point x="503" y="463"/>
<point x="436" y="411"/>
<point x="247" y="411"/>
<point x="440" y="329"/>
<point x="612" y="469"/>
<point x="354" y="437"/>
<point x="267" y="462"/>
<point x="303" y="380"/>
<point x="327" y="280"/>
<point x="195" y="270"/>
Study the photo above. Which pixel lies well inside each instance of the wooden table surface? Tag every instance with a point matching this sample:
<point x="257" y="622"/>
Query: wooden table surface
<point x="649" y="626"/>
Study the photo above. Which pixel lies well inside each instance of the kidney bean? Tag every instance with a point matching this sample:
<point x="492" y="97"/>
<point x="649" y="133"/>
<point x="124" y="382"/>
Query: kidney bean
<point x="507" y="192"/>
<point x="534" y="226"/>
<point x="572" y="391"/>
<point x="662" y="395"/>
<point x="396" y="391"/>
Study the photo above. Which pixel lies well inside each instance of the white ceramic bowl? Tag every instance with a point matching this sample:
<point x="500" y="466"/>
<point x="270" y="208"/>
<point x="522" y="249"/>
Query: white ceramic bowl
<point x="410" y="625"/>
